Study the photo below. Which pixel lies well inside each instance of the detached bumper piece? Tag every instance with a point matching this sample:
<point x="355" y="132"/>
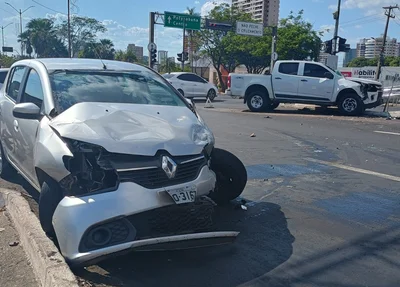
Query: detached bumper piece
<point x="161" y="222"/>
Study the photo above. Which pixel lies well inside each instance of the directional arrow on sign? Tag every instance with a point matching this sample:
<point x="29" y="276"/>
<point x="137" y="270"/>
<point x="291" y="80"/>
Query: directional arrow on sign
<point x="169" y="20"/>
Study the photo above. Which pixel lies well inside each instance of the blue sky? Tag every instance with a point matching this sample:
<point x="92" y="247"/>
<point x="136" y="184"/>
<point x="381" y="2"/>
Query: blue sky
<point x="127" y="20"/>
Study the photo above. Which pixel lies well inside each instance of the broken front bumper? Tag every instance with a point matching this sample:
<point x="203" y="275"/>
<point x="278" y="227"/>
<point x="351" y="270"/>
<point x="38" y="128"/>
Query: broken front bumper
<point x="136" y="216"/>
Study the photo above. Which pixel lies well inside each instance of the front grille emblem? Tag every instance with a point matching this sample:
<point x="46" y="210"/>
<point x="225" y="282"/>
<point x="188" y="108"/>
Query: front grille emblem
<point x="169" y="166"/>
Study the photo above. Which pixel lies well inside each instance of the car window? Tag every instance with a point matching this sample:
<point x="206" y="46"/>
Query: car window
<point x="33" y="90"/>
<point x="188" y="77"/>
<point x="314" y="71"/>
<point x="3" y="75"/>
<point x="136" y="87"/>
<point x="199" y="79"/>
<point x="168" y="76"/>
<point x="289" y="68"/>
<point x="15" y="82"/>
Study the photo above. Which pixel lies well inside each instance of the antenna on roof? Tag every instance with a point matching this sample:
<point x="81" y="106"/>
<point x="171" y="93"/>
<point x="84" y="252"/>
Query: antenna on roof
<point x="97" y="54"/>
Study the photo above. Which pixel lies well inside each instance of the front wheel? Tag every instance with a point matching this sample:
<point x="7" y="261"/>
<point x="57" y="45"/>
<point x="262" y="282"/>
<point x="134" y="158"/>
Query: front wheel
<point x="231" y="176"/>
<point x="351" y="105"/>
<point x="258" y="101"/>
<point x="211" y="94"/>
<point x="50" y="197"/>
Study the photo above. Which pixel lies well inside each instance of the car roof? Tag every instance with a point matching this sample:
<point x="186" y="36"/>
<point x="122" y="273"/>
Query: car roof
<point x="4" y="69"/>
<point x="82" y="64"/>
<point x="181" y="73"/>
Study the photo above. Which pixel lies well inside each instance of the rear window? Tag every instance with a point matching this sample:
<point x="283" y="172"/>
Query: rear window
<point x="136" y="87"/>
<point x="289" y="68"/>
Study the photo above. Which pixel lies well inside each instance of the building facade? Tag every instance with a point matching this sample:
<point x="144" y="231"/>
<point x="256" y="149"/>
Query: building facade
<point x="349" y="56"/>
<point x="162" y="56"/>
<point x="371" y="48"/>
<point x="263" y="11"/>
<point x="137" y="50"/>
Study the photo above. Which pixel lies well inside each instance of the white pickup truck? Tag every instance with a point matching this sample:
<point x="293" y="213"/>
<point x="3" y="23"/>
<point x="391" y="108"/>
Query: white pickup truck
<point x="306" y="83"/>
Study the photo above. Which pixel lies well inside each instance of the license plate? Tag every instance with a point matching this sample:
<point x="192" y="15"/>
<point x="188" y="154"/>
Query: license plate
<point x="183" y="195"/>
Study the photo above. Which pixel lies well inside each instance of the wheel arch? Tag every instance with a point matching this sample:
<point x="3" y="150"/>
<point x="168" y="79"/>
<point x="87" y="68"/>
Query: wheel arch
<point x="345" y="92"/>
<point x="253" y="88"/>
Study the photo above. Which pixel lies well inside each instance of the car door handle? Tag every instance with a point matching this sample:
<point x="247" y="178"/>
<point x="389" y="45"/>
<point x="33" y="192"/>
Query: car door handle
<point x="304" y="80"/>
<point x="16" y="127"/>
<point x="277" y="78"/>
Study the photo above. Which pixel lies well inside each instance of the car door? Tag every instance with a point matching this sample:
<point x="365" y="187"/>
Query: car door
<point x="25" y="134"/>
<point x="286" y="80"/>
<point x="9" y="123"/>
<point x="186" y="85"/>
<point x="316" y="83"/>
<point x="200" y="86"/>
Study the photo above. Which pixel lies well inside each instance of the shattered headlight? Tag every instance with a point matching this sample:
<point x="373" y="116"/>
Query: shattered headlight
<point x="201" y="135"/>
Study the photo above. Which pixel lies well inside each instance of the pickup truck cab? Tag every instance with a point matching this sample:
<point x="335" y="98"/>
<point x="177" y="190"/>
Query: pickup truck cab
<point x="305" y="82"/>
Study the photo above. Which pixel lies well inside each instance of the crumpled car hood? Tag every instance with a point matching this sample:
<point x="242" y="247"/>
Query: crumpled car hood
<point x="131" y="128"/>
<point x="364" y="81"/>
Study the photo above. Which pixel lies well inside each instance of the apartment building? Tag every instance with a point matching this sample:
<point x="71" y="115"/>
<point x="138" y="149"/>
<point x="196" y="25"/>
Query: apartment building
<point x="371" y="48"/>
<point x="137" y="50"/>
<point x="263" y="11"/>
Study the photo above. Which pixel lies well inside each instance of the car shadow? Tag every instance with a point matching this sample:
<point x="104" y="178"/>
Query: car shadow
<point x="263" y="244"/>
<point x="202" y="100"/>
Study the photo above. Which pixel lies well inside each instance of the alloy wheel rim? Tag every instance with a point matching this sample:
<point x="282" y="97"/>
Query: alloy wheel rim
<point x="349" y="105"/>
<point x="257" y="102"/>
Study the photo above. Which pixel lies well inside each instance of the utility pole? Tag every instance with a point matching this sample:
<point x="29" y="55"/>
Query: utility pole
<point x="336" y="16"/>
<point x="151" y="35"/>
<point x="2" y="33"/>
<point x="273" y="47"/>
<point x="69" y="30"/>
<point x="20" y="12"/>
<point x="382" y="53"/>
<point x="183" y="49"/>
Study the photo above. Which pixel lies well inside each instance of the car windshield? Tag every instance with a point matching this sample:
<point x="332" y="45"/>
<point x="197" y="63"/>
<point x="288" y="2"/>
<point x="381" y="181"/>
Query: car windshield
<point x="136" y="87"/>
<point x="333" y="71"/>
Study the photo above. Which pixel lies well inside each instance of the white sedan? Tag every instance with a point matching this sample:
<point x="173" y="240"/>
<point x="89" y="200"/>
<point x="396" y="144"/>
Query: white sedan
<point x="191" y="85"/>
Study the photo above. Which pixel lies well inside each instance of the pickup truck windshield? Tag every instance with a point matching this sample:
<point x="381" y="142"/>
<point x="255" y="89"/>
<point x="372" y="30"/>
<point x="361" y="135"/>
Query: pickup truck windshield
<point x="333" y="71"/>
<point x="73" y="86"/>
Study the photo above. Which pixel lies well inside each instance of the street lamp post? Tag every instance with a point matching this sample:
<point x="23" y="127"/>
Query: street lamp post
<point x="2" y="33"/>
<point x="20" y="12"/>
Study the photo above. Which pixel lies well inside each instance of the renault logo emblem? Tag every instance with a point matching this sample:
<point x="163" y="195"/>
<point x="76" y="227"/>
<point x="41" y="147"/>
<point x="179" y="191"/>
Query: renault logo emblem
<point x="169" y="166"/>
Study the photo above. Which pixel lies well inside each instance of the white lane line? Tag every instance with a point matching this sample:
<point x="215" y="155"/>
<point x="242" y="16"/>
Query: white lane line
<point x="355" y="169"/>
<point x="387" y="133"/>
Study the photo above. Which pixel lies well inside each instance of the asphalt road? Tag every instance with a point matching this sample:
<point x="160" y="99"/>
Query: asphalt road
<point x="323" y="207"/>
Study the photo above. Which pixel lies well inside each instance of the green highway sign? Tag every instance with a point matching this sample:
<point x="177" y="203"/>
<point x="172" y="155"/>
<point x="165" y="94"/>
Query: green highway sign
<point x="176" y="20"/>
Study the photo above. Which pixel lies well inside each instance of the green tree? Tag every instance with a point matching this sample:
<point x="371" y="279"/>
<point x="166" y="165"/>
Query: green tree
<point x="41" y="36"/>
<point x="363" y="62"/>
<point x="6" y="61"/>
<point x="83" y="30"/>
<point x="297" y="40"/>
<point x="126" y="56"/>
<point x="104" y="49"/>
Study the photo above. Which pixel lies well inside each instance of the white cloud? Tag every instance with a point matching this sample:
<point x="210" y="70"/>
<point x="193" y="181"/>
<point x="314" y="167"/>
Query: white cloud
<point x="209" y="5"/>
<point x="369" y="5"/>
<point x="196" y="2"/>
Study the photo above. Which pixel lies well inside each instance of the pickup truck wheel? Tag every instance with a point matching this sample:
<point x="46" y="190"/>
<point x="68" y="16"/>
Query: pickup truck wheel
<point x="258" y="101"/>
<point x="50" y="197"/>
<point x="273" y="106"/>
<point x="351" y="105"/>
<point x="231" y="176"/>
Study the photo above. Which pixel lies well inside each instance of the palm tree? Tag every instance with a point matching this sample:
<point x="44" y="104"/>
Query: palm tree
<point x="193" y="39"/>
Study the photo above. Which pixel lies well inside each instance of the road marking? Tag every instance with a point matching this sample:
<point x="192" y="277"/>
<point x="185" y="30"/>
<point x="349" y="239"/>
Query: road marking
<point x="388" y="133"/>
<point x="355" y="169"/>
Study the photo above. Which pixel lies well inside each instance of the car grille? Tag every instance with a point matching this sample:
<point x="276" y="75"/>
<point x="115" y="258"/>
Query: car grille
<point x="174" y="220"/>
<point x="188" y="168"/>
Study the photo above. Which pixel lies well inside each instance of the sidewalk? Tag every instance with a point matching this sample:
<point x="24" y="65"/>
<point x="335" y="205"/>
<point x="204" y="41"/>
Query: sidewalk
<point x="15" y="270"/>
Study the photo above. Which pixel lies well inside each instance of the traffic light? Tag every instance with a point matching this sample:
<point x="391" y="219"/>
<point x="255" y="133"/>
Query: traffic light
<point x="342" y="45"/>
<point x="153" y="56"/>
<point x="327" y="47"/>
<point x="180" y="58"/>
<point x="218" y="25"/>
<point x="185" y="56"/>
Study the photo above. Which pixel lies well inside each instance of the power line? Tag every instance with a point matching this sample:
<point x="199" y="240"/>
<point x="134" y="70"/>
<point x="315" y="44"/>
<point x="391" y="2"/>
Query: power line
<point x="51" y="9"/>
<point x="7" y="11"/>
<point x="361" y="18"/>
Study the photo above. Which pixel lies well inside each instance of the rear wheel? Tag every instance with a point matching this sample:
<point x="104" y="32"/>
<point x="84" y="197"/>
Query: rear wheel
<point x="351" y="105"/>
<point x="273" y="106"/>
<point x="50" y="197"/>
<point x="258" y="101"/>
<point x="231" y="176"/>
<point x="211" y="94"/>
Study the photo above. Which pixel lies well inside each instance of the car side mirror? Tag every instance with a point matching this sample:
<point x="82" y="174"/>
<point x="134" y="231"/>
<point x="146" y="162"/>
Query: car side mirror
<point x="191" y="103"/>
<point x="329" y="75"/>
<point x="28" y="111"/>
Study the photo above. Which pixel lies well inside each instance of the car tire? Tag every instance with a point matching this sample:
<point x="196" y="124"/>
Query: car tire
<point x="181" y="92"/>
<point x="50" y="197"/>
<point x="258" y="101"/>
<point x="273" y="106"/>
<point x="211" y="94"/>
<point x="231" y="176"/>
<point x="5" y="166"/>
<point x="350" y="105"/>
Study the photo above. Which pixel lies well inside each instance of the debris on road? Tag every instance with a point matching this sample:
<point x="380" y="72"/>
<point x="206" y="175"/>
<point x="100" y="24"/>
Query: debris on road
<point x="267" y="117"/>
<point x="253" y="135"/>
<point x="244" y="207"/>
<point x="13" y="243"/>
<point x="2" y="229"/>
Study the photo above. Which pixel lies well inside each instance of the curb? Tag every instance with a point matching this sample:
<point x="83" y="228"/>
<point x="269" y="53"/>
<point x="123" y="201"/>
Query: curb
<point x="48" y="265"/>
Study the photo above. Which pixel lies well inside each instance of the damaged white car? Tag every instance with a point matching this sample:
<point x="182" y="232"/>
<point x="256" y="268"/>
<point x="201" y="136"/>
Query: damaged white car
<point x="122" y="161"/>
